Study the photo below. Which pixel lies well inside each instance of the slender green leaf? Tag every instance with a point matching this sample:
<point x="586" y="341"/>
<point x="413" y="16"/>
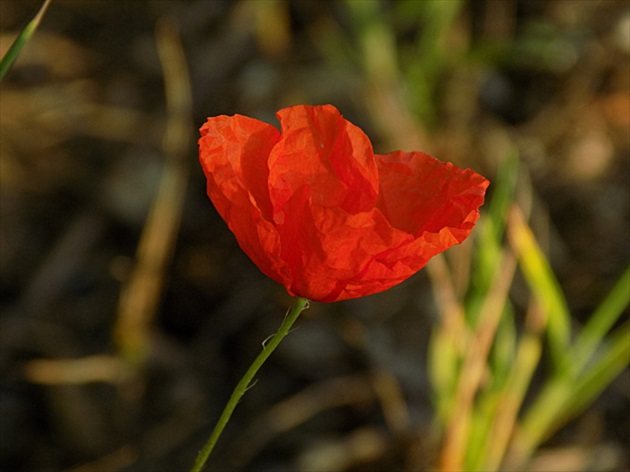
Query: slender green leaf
<point x="542" y="416"/>
<point x="610" y="362"/>
<point x="503" y="193"/>
<point x="509" y="403"/>
<point x="424" y="71"/>
<point x="444" y="363"/>
<point x="482" y="417"/>
<point x="489" y="235"/>
<point x="491" y="399"/>
<point x="504" y="348"/>
<point x="545" y="287"/>
<point x="564" y="397"/>
<point x="11" y="55"/>
<point x="604" y="317"/>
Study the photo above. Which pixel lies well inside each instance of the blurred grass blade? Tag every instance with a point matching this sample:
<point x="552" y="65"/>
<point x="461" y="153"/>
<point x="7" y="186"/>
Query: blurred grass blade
<point x="541" y="418"/>
<point x="448" y="341"/>
<point x="377" y="40"/>
<point x="613" y="358"/>
<point x="490" y="234"/>
<point x="509" y="402"/>
<point x="424" y="68"/>
<point x="444" y="360"/>
<point x="501" y="358"/>
<point x="604" y="317"/>
<point x="493" y="398"/>
<point x="139" y="299"/>
<point x="565" y="397"/>
<point x="544" y="285"/>
<point x="11" y="55"/>
<point x="462" y="425"/>
<point x="503" y="193"/>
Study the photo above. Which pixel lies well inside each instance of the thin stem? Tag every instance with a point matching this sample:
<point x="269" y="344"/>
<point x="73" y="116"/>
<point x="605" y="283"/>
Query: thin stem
<point x="268" y="347"/>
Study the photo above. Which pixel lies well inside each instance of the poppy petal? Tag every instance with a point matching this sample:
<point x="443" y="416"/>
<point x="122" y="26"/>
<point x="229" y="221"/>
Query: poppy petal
<point x="325" y="154"/>
<point x="233" y="152"/>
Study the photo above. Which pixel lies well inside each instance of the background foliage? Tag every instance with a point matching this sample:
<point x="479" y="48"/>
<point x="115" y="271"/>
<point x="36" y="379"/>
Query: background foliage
<point x="129" y="312"/>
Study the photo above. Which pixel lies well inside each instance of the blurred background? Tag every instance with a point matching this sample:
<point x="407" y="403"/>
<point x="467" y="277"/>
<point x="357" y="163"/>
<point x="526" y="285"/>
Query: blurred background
<point x="128" y="311"/>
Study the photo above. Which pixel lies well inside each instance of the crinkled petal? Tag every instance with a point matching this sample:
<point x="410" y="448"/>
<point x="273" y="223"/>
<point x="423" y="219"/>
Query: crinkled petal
<point x="323" y="183"/>
<point x="326" y="248"/>
<point x="420" y="193"/>
<point x="233" y="152"/>
<point x="327" y="156"/>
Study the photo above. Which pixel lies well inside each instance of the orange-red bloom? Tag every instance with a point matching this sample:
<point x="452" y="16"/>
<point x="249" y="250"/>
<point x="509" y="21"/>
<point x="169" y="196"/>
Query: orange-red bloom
<point x="319" y="212"/>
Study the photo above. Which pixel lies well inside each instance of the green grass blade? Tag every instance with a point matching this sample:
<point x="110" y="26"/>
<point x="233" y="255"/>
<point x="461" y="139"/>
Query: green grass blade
<point x="541" y="417"/>
<point x="610" y="362"/>
<point x="604" y="317"/>
<point x="510" y="400"/>
<point x="482" y="419"/>
<point x="425" y="66"/>
<point x="565" y="397"/>
<point x="444" y="362"/>
<point x="489" y="235"/>
<point x="377" y="39"/>
<point x="503" y="193"/>
<point x="11" y="55"/>
<point x="503" y="366"/>
<point x="544" y="286"/>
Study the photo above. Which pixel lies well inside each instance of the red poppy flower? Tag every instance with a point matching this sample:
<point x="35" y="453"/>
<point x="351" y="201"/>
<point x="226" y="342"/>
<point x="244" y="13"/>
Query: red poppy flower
<point x="319" y="212"/>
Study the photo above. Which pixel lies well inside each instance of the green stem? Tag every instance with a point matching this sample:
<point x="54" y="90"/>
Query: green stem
<point x="241" y="388"/>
